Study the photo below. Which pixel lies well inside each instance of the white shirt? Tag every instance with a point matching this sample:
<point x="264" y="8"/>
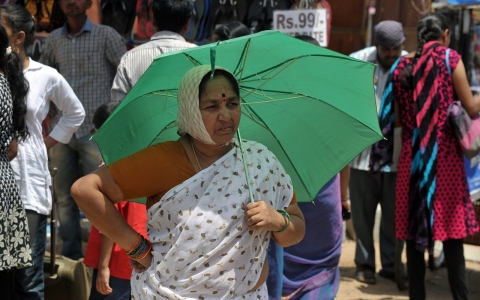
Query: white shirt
<point x="361" y="162"/>
<point x="31" y="163"/>
<point x="136" y="61"/>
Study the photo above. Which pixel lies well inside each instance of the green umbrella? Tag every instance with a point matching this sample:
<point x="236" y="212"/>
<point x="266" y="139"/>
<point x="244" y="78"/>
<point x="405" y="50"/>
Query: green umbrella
<point x="313" y="108"/>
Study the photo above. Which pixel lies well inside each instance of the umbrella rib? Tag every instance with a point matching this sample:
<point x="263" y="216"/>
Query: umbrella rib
<point x="285" y="152"/>
<point x="192" y="60"/>
<point x="288" y="157"/>
<point x="271" y="98"/>
<point x="251" y="117"/>
<point x="242" y="58"/>
<point x="274" y="100"/>
<point x="285" y="66"/>
<point x="247" y="47"/>
<point x="296" y="58"/>
<point x="246" y="104"/>
<point x="162" y="94"/>
<point x="161" y="131"/>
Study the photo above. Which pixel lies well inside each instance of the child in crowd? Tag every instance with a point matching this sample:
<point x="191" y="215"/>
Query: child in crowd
<point x="112" y="271"/>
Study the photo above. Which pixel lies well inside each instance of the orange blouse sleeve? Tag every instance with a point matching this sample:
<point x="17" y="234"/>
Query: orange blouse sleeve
<point x="152" y="172"/>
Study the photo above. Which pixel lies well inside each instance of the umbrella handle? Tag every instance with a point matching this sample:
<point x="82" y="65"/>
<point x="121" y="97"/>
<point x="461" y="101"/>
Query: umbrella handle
<point x="245" y="165"/>
<point x="240" y="143"/>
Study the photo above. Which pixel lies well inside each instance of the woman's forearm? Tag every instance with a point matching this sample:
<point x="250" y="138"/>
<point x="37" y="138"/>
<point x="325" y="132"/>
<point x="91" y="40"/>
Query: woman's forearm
<point x="49" y="142"/>
<point x="90" y="192"/>
<point x="344" y="181"/>
<point x="12" y="150"/>
<point x="293" y="235"/>
<point x="295" y="231"/>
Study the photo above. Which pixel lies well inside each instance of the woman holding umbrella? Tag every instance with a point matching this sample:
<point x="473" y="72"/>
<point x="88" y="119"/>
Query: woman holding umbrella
<point x="207" y="240"/>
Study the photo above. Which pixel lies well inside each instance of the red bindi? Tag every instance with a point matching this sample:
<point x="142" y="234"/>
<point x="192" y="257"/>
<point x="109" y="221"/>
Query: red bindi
<point x="224" y="99"/>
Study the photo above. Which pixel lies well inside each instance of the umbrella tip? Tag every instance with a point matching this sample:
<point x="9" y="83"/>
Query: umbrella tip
<point x="213" y="56"/>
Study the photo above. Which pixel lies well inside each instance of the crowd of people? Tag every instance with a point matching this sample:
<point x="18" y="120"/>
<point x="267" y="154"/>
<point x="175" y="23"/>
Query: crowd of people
<point x="197" y="247"/>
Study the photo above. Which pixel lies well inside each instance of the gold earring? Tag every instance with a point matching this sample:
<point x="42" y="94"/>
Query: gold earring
<point x="15" y="49"/>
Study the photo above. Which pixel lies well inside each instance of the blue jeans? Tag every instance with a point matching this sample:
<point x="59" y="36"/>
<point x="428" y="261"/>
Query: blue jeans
<point x="29" y="282"/>
<point x="73" y="160"/>
<point x="121" y="289"/>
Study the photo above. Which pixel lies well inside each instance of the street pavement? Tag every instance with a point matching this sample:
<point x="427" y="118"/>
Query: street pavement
<point x="350" y="289"/>
<point x="436" y="281"/>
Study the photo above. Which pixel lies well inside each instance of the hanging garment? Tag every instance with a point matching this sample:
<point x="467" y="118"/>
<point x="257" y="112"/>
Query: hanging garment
<point x="145" y="28"/>
<point x="119" y="14"/>
<point x="260" y="13"/>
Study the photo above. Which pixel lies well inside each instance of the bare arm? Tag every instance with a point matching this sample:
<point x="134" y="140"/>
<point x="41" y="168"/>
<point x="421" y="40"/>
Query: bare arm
<point x="96" y="194"/>
<point x="49" y="142"/>
<point x="344" y="180"/>
<point x="462" y="89"/>
<point x="103" y="277"/>
<point x="12" y="150"/>
<point x="295" y="232"/>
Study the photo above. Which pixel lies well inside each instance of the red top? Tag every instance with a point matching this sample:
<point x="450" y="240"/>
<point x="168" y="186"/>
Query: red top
<point x="454" y="216"/>
<point x="136" y="216"/>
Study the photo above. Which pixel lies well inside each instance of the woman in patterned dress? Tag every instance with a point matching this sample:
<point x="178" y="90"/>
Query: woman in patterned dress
<point x="209" y="241"/>
<point x="30" y="166"/>
<point x="14" y="238"/>
<point x="432" y="197"/>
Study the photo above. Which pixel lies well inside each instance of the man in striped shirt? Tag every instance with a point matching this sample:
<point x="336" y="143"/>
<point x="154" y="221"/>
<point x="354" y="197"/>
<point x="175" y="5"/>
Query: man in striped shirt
<point x="87" y="55"/>
<point x="171" y="20"/>
<point x="368" y="189"/>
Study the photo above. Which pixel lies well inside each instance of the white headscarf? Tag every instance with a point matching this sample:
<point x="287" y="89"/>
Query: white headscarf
<point x="189" y="117"/>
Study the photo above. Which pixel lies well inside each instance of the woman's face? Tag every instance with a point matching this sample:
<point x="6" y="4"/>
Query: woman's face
<point x="220" y="109"/>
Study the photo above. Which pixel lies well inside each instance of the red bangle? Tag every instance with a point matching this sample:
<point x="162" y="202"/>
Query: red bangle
<point x="135" y="245"/>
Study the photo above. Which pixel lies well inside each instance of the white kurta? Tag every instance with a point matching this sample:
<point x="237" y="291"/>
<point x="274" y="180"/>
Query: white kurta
<point x="201" y="242"/>
<point x="31" y="163"/>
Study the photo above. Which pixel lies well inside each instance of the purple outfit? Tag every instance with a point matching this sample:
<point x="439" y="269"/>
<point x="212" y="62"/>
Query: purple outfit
<point x="309" y="269"/>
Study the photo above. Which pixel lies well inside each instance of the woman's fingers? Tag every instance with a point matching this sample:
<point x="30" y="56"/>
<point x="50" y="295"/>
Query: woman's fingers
<point x="259" y="215"/>
<point x="259" y="225"/>
<point x="138" y="267"/>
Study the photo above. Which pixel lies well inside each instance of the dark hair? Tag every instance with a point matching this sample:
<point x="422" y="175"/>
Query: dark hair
<point x="103" y="112"/>
<point x="233" y="82"/>
<point x="172" y="15"/>
<point x="231" y="30"/>
<point x="12" y="67"/>
<point x="430" y="28"/>
<point x="308" y="39"/>
<point x="19" y="19"/>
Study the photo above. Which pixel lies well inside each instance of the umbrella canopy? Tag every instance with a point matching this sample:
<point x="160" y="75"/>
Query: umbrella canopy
<point x="313" y="108"/>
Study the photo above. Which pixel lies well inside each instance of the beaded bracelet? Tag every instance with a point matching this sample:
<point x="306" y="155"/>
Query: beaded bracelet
<point x="136" y="243"/>
<point x="286" y="216"/>
<point x="141" y="248"/>
<point x="142" y="256"/>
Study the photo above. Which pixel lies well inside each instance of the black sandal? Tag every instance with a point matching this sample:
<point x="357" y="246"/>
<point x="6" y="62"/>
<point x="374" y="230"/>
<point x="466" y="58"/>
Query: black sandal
<point x="366" y="276"/>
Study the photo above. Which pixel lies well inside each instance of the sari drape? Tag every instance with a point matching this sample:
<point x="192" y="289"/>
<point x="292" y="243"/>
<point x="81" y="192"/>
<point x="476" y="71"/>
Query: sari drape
<point x="201" y="242"/>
